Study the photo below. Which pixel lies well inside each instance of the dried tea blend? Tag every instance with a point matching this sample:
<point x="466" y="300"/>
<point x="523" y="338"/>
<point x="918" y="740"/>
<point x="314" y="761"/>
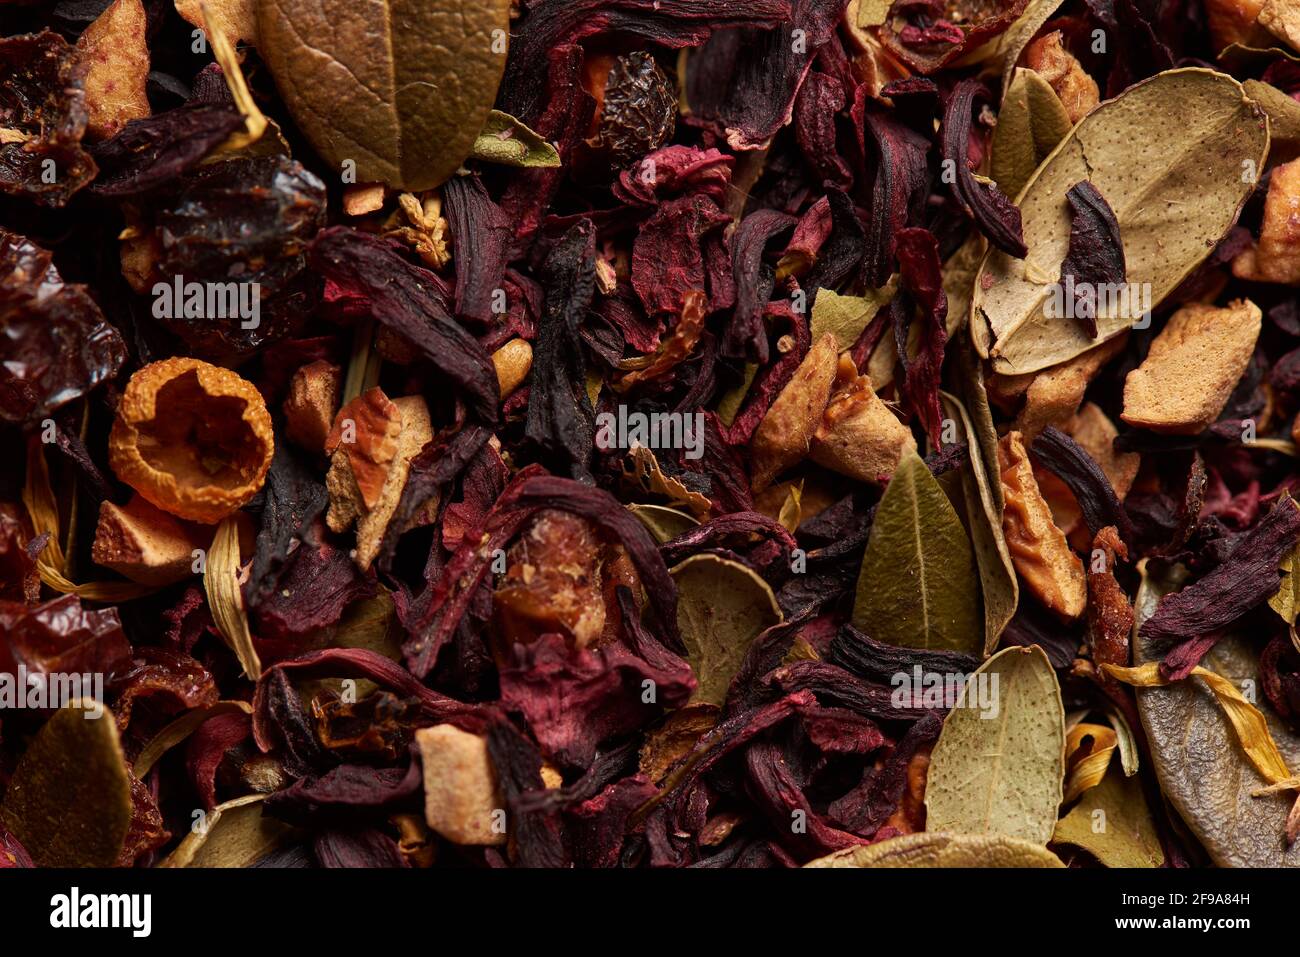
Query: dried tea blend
<point x="614" y="433"/>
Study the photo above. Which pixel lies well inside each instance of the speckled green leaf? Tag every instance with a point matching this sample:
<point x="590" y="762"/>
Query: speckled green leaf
<point x="943" y="850"/>
<point x="1031" y="122"/>
<point x="1175" y="157"/>
<point x="1000" y="770"/>
<point x="1113" y="823"/>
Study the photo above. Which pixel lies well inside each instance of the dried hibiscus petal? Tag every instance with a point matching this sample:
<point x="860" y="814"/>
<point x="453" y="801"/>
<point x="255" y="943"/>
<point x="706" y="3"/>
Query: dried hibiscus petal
<point x="994" y="214"/>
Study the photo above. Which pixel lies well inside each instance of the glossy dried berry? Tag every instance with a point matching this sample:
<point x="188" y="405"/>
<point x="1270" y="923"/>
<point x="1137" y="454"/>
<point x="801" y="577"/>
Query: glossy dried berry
<point x="638" y="108"/>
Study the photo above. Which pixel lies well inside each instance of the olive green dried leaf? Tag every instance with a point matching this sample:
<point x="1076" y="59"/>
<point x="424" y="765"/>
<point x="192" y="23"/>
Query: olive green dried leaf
<point x="1283" y="119"/>
<point x="1113" y="823"/>
<point x="917" y="587"/>
<point x="731" y="401"/>
<point x="508" y="142"/>
<point x="400" y="89"/>
<point x="1001" y="770"/>
<point x="69" y="800"/>
<point x="943" y="850"/>
<point x="998" y="583"/>
<point x="1030" y="124"/>
<point x="179" y="730"/>
<point x="959" y="281"/>
<point x="1286" y="602"/>
<point x="664" y="523"/>
<point x="1176" y="157"/>
<point x="234" y="834"/>
<point x="846" y="316"/>
<point x="1198" y="761"/>
<point x="722" y="606"/>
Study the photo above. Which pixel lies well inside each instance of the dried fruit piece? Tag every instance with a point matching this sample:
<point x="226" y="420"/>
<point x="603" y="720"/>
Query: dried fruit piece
<point x="371" y="447"/>
<point x="1276" y="258"/>
<point x="235" y="19"/>
<point x="193" y="439"/>
<point x="146" y="544"/>
<point x="1235" y="21"/>
<point x="462" y="800"/>
<point x="310" y="406"/>
<point x="1189" y="374"/>
<point x="552" y="582"/>
<point x="1282" y="19"/>
<point x="1076" y="89"/>
<point x="1038" y="548"/>
<point x="1053" y="395"/>
<point x="859" y="436"/>
<point x="783" y="437"/>
<point x="513" y="362"/>
<point x="1096" y="433"/>
<point x="636" y="106"/>
<point x="116" y="52"/>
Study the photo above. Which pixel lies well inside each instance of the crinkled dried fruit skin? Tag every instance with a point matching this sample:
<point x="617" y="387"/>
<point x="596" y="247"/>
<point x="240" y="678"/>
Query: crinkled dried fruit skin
<point x="54" y="343"/>
<point x="638" y="109"/>
<point x="1038" y="548"/>
<point x="41" y="97"/>
<point x="194" y="439"/>
<point x="242" y="221"/>
<point x="399" y="87"/>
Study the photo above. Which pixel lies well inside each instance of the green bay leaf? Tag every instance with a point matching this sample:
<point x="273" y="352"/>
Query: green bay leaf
<point x="943" y="850"/>
<point x="722" y="606"/>
<point x="508" y="142"/>
<point x="999" y="769"/>
<point x="1031" y="122"/>
<point x="1168" y="155"/>
<point x="999" y="586"/>
<point x="1113" y="823"/>
<point x="917" y="587"/>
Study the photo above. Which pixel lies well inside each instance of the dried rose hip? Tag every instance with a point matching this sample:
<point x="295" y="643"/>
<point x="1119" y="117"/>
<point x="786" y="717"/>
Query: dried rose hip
<point x="193" y="439"/>
<point x="241" y="221"/>
<point x="637" y="106"/>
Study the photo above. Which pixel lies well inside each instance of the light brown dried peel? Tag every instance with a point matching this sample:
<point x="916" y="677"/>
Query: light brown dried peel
<point x="461" y="799"/>
<point x="1189" y="374"/>
<point x="786" y="432"/>
<point x="1038" y="548"/>
<point x="192" y="438"/>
